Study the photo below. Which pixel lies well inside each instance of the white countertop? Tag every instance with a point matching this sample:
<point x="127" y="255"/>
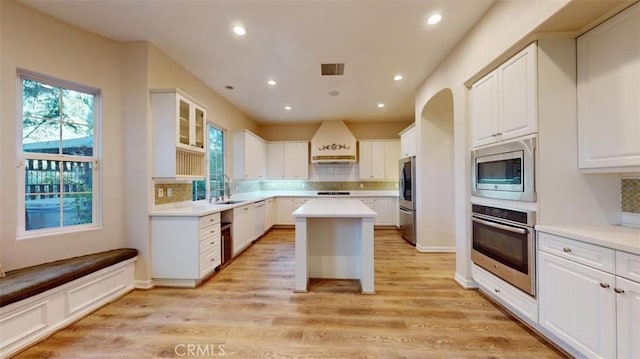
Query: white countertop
<point x="203" y="207"/>
<point x="617" y="237"/>
<point x="343" y="208"/>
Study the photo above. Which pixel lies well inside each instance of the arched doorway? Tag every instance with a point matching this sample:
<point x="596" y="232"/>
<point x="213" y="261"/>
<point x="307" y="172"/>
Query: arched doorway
<point x="436" y="215"/>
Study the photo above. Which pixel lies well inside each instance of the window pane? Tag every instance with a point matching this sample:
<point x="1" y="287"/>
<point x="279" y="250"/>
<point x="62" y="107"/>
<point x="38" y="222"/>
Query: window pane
<point x="77" y="140"/>
<point x="42" y="211"/>
<point x="78" y="209"/>
<point x="78" y="177"/>
<point x="42" y="178"/>
<point x="40" y="100"/>
<point x="77" y="107"/>
<point x="41" y="136"/>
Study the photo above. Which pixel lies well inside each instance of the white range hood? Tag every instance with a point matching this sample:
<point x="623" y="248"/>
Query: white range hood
<point x="333" y="142"/>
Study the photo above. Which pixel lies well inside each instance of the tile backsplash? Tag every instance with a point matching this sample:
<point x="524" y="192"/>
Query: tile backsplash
<point x="179" y="192"/>
<point x="630" y="195"/>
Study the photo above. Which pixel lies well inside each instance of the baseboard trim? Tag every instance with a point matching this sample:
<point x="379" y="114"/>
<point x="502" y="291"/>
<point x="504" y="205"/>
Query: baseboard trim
<point x="143" y="284"/>
<point x="429" y="249"/>
<point x="466" y="283"/>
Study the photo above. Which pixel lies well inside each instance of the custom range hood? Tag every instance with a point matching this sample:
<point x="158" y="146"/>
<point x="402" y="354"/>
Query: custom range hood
<point x="333" y="142"/>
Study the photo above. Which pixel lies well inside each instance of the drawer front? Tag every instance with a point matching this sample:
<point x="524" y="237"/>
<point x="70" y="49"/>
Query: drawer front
<point x="209" y="260"/>
<point x="628" y="265"/>
<point x="519" y="302"/>
<point x="209" y="232"/>
<point x="210" y="242"/>
<point x="209" y="220"/>
<point x="588" y="254"/>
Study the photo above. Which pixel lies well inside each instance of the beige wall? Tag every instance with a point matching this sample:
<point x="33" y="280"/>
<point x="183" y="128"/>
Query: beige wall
<point x="37" y="42"/>
<point x="304" y="132"/>
<point x="494" y="35"/>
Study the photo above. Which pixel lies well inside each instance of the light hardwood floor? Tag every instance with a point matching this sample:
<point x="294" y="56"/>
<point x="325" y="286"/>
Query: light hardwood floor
<point x="249" y="310"/>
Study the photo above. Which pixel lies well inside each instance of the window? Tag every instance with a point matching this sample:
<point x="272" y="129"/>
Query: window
<point x="58" y="157"/>
<point x="216" y="167"/>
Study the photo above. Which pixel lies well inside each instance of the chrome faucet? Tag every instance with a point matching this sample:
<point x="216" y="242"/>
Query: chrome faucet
<point x="224" y="193"/>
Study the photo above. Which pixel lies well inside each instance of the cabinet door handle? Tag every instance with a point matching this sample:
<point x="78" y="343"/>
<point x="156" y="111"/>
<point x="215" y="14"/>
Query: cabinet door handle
<point x="618" y="290"/>
<point x="497" y="290"/>
<point x="499" y="134"/>
<point x="213" y="231"/>
<point x="604" y="285"/>
<point x="213" y="242"/>
<point x="566" y="249"/>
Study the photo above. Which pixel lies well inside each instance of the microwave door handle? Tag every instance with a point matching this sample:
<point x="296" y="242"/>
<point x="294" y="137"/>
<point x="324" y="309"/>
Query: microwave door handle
<point x="501" y="226"/>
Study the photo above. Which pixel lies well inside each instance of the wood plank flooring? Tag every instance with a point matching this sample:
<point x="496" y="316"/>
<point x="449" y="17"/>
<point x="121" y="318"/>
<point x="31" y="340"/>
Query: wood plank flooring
<point x="249" y="310"/>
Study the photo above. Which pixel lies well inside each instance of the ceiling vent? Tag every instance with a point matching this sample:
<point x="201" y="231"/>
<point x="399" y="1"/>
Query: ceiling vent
<point x="332" y="69"/>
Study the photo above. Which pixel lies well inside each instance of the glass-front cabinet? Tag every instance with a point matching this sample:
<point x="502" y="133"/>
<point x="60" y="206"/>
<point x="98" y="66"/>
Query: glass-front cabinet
<point x="179" y="125"/>
<point x="191" y="122"/>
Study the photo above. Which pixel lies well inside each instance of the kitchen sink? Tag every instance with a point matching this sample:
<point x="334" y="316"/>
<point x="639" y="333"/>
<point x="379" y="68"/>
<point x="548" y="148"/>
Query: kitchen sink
<point x="230" y="201"/>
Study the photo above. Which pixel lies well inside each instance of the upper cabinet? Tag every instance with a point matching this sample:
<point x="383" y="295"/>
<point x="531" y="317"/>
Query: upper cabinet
<point x="178" y="135"/>
<point x="288" y="160"/>
<point x="504" y="103"/>
<point x="249" y="156"/>
<point x="609" y="94"/>
<point x="408" y="142"/>
<point x="379" y="160"/>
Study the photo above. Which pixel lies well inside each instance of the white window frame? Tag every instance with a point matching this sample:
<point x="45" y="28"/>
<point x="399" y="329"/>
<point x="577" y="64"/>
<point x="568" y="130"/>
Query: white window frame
<point x="96" y="223"/>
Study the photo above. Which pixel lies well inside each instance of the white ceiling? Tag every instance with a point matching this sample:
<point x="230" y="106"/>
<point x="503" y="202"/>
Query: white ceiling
<point x="287" y="41"/>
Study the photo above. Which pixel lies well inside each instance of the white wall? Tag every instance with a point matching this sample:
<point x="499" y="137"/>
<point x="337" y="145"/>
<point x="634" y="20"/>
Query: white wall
<point x="37" y="42"/>
<point x="435" y="218"/>
<point x="504" y="26"/>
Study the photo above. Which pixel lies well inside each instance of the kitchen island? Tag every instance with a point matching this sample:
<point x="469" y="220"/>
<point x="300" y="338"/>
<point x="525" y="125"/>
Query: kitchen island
<point x="334" y="239"/>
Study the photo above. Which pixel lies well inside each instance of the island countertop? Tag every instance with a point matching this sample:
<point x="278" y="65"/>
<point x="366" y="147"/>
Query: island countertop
<point x="335" y="207"/>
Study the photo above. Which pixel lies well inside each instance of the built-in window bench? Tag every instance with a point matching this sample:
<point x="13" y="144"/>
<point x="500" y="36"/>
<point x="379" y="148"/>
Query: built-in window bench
<point x="37" y="301"/>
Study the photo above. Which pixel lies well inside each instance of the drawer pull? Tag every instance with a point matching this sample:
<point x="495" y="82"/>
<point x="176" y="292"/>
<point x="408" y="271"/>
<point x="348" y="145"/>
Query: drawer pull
<point x="604" y="285"/>
<point x="213" y="231"/>
<point x="497" y="290"/>
<point x="566" y="249"/>
<point x="213" y="243"/>
<point x="213" y="259"/>
<point x="618" y="290"/>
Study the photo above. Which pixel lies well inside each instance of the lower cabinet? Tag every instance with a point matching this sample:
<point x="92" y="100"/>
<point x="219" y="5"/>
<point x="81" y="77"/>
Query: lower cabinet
<point x="242" y="228"/>
<point x="585" y="301"/>
<point x="285" y="207"/>
<point x="184" y="249"/>
<point x="385" y="208"/>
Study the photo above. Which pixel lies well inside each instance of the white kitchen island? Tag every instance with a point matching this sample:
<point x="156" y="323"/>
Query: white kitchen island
<point x="334" y="239"/>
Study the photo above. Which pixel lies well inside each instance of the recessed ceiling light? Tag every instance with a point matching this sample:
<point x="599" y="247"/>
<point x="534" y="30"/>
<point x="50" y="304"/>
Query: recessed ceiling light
<point x="397" y="77"/>
<point x="434" y="19"/>
<point x="272" y="82"/>
<point x="288" y="108"/>
<point x="380" y="105"/>
<point x="239" y="30"/>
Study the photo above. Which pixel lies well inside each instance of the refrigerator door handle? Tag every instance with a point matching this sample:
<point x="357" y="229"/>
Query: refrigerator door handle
<point x="402" y="210"/>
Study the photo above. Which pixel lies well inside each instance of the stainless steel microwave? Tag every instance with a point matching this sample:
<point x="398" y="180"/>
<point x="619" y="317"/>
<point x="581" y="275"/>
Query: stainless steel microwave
<point x="505" y="171"/>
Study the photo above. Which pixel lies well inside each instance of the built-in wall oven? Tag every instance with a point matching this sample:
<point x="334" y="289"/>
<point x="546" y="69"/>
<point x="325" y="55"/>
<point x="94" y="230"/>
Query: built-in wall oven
<point x="504" y="244"/>
<point x="505" y="171"/>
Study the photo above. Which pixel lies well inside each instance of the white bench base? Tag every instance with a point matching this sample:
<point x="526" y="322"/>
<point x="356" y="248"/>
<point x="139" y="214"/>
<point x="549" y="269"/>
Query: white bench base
<point x="28" y="321"/>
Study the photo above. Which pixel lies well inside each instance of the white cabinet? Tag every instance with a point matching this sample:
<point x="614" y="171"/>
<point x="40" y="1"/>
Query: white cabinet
<point x="504" y="102"/>
<point x="242" y="228"/>
<point x="628" y="307"/>
<point x="609" y="94"/>
<point x="249" y="155"/>
<point x="577" y="304"/>
<point x="584" y="299"/>
<point x="385" y="209"/>
<point x="178" y="140"/>
<point x="285" y="208"/>
<point x="259" y="219"/>
<point x="184" y="249"/>
<point x="379" y="160"/>
<point x="270" y="214"/>
<point x="288" y="160"/>
<point x="408" y="142"/>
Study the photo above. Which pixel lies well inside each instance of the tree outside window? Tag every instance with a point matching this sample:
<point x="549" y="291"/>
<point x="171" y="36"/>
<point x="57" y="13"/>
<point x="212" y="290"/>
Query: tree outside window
<point x="216" y="167"/>
<point x="58" y="155"/>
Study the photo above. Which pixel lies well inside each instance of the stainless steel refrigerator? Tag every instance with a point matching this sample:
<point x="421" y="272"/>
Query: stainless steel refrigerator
<point x="407" y="199"/>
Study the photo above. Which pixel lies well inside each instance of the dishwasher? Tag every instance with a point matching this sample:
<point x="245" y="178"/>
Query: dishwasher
<point x="259" y="219"/>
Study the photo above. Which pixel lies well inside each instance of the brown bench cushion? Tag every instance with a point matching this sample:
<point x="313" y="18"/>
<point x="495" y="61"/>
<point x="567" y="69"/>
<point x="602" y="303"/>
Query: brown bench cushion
<point x="23" y="283"/>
